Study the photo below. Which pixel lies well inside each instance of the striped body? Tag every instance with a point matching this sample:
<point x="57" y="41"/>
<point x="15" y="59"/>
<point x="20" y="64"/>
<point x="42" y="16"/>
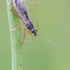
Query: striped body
<point x="22" y="10"/>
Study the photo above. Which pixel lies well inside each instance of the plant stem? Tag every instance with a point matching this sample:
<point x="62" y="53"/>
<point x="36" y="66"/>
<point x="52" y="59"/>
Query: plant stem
<point x="17" y="58"/>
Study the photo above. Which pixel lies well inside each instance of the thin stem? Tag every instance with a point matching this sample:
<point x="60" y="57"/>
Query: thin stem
<point x="17" y="58"/>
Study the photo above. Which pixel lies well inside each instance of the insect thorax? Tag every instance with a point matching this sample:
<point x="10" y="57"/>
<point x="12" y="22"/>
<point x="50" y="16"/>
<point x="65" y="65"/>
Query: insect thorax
<point x="30" y="26"/>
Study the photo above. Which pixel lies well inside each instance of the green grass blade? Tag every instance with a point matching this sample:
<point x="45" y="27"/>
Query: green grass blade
<point x="17" y="58"/>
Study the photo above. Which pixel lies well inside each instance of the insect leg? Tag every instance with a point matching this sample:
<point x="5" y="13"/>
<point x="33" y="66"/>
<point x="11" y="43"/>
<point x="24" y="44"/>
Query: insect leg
<point x="16" y="28"/>
<point x="13" y="11"/>
<point x="33" y="7"/>
<point x="23" y="36"/>
<point x="30" y="34"/>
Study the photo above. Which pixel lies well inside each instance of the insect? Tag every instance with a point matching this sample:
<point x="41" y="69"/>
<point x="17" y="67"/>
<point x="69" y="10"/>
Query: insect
<point x="23" y="13"/>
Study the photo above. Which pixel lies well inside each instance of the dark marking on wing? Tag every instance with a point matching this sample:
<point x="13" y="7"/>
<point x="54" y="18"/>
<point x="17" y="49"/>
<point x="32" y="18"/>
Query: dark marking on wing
<point x="26" y="15"/>
<point x="30" y="26"/>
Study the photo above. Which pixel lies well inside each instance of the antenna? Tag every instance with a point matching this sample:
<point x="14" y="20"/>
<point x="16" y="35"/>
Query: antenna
<point x="50" y="42"/>
<point x="47" y="39"/>
<point x="37" y="25"/>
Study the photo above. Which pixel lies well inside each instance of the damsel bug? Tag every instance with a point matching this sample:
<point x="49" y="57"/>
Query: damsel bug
<point x="22" y="12"/>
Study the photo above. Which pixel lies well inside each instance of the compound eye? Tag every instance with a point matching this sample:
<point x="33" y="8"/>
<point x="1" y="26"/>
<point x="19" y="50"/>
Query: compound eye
<point x="32" y="31"/>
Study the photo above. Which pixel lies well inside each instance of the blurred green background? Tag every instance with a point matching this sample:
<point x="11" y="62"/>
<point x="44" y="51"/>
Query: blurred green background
<point x="53" y="23"/>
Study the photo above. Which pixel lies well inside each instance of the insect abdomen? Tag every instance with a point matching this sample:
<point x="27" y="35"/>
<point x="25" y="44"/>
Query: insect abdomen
<point x="22" y="10"/>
